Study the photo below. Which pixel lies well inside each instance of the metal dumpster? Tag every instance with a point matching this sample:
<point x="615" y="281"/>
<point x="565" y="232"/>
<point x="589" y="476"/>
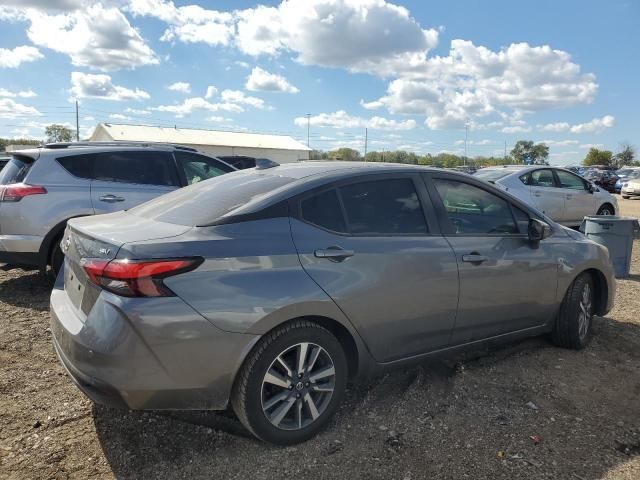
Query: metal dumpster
<point x="616" y="233"/>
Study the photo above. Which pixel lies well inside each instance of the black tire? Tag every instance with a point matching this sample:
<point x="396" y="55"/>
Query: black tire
<point x="606" y="209"/>
<point x="569" y="331"/>
<point x="56" y="258"/>
<point x="626" y="197"/>
<point x="247" y="397"/>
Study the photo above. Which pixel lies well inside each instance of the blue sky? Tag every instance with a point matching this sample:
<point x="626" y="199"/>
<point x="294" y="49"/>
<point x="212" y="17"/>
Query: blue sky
<point x="413" y="73"/>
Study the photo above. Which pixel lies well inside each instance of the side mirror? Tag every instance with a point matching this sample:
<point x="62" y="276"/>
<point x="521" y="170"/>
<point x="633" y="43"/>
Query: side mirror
<point x="538" y="230"/>
<point x="591" y="188"/>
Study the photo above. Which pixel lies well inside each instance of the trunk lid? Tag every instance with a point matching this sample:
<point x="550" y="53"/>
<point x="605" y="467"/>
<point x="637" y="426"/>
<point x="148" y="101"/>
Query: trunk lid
<point x="100" y="237"/>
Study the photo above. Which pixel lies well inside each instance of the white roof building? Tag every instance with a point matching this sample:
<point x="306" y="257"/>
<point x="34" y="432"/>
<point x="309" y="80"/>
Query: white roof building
<point x="279" y="148"/>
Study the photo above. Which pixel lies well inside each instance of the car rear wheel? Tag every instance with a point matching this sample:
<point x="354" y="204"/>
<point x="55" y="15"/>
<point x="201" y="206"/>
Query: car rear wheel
<point x="56" y="257"/>
<point x="573" y="325"/>
<point x="626" y="197"/>
<point x="606" y="210"/>
<point x="291" y="384"/>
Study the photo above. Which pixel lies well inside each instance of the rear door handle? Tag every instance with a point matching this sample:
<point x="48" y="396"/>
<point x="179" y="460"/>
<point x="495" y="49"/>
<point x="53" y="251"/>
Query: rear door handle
<point x="474" y="258"/>
<point x="337" y="254"/>
<point x="111" y="198"/>
<point x="569" y="196"/>
<point x="537" y="194"/>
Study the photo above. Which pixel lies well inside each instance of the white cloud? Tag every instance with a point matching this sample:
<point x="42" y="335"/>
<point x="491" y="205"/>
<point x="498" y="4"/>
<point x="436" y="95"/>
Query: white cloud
<point x="12" y="109"/>
<point x="183" y="87"/>
<point x="94" y="36"/>
<point x="238" y="97"/>
<point x="119" y="116"/>
<point x="22" y="93"/>
<point x="261" y="80"/>
<point x="198" y="103"/>
<point x="87" y="85"/>
<point x="587" y="146"/>
<point x="45" y="5"/>
<point x="218" y="119"/>
<point x="88" y="118"/>
<point x="211" y="91"/>
<point x="358" y="35"/>
<point x="594" y="126"/>
<point x="342" y="119"/>
<point x="13" y="58"/>
<point x="137" y="111"/>
<point x="516" y="129"/>
<point x="560" y="143"/>
<point x="187" y="24"/>
<point x="242" y="64"/>
<point x="473" y="82"/>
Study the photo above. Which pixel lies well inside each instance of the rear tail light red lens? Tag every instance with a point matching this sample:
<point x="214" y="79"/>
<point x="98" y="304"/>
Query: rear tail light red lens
<point x="137" y="278"/>
<point x="17" y="191"/>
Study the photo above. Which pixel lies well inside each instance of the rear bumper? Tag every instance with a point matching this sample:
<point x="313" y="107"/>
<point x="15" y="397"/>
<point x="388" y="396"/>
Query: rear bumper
<point x="21" y="250"/>
<point x="160" y="354"/>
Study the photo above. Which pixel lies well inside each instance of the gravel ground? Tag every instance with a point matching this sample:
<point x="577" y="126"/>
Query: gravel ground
<point x="524" y="411"/>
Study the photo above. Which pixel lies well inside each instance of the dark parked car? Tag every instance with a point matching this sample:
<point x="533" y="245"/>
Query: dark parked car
<point x="269" y="288"/>
<point x="4" y="161"/>
<point x="240" y="162"/>
<point x="605" y="179"/>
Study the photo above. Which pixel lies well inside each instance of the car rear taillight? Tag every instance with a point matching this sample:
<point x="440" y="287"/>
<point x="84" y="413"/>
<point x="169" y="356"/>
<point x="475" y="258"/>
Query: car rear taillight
<point x="137" y="278"/>
<point x="17" y="191"/>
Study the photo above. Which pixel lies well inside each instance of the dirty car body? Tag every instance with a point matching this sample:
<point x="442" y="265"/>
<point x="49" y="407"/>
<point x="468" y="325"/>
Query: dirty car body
<point x="175" y="304"/>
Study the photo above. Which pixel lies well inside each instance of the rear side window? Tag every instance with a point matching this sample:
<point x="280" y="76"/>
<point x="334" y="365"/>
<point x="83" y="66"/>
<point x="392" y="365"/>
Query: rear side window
<point x="473" y="210"/>
<point x="141" y="167"/>
<point x="541" y="178"/>
<point x="16" y="169"/>
<point x="569" y="180"/>
<point x="80" y="166"/>
<point x="198" y="167"/>
<point x="383" y="207"/>
<point x="323" y="210"/>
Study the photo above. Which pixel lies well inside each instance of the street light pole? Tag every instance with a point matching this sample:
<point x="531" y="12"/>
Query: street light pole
<point x="308" y="115"/>
<point x="466" y="135"/>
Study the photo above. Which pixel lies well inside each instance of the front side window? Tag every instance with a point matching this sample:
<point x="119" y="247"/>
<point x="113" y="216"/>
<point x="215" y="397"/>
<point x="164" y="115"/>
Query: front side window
<point x="569" y="180"/>
<point x="323" y="209"/>
<point x="473" y="210"/>
<point x="140" y="167"/>
<point x="383" y="207"/>
<point x="198" y="167"/>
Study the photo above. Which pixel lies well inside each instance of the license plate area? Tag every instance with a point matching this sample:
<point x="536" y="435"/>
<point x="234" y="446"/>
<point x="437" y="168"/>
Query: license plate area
<point x="72" y="284"/>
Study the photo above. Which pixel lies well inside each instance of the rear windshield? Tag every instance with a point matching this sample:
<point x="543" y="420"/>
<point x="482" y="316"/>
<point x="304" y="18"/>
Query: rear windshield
<point x="16" y="170"/>
<point x="207" y="201"/>
<point x="491" y="175"/>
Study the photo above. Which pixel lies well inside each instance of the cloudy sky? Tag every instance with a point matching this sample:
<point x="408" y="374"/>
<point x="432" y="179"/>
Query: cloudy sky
<point x="413" y="73"/>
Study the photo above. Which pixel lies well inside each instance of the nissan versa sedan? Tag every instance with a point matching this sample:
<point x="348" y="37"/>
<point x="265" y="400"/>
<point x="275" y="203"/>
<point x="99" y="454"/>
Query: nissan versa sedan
<point x="269" y="288"/>
<point x="557" y="192"/>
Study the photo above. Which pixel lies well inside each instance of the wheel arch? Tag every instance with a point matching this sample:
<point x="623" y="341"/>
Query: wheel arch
<point x="601" y="288"/>
<point x="50" y="238"/>
<point x="607" y="204"/>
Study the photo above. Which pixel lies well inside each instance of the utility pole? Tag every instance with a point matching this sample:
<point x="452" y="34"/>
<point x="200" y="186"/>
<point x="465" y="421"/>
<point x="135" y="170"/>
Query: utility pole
<point x="365" y="144"/>
<point x="466" y="135"/>
<point x="505" y="150"/>
<point x="77" y="123"/>
<point x="308" y="115"/>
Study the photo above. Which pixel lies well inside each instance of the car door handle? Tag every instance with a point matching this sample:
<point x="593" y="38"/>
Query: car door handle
<point x="537" y="194"/>
<point x="569" y="196"/>
<point x="474" y="258"/>
<point x="337" y="254"/>
<point x="111" y="198"/>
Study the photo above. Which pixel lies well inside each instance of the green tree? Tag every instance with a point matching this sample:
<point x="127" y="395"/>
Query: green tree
<point x="348" y="154"/>
<point x="598" y="157"/>
<point x="625" y="156"/>
<point x="58" y="133"/>
<point x="538" y="153"/>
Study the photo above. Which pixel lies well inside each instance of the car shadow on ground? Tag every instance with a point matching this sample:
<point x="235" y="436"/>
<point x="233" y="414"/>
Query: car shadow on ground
<point x="26" y="290"/>
<point x="585" y="440"/>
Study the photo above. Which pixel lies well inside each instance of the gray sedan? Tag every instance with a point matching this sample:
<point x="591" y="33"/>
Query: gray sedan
<point x="270" y="288"/>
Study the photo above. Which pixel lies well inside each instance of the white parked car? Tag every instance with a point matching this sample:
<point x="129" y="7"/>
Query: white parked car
<point x="558" y="193"/>
<point x="630" y="185"/>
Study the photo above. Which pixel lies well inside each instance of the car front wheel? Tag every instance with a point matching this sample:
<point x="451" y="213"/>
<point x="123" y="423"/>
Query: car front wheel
<point x="606" y="210"/>
<point x="573" y="325"/>
<point x="291" y="384"/>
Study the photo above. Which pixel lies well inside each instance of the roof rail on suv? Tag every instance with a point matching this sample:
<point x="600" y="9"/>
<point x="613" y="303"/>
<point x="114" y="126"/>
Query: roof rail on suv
<point x="61" y="145"/>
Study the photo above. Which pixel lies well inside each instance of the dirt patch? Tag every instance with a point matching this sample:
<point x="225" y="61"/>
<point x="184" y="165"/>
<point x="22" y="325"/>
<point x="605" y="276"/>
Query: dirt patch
<point x="525" y="411"/>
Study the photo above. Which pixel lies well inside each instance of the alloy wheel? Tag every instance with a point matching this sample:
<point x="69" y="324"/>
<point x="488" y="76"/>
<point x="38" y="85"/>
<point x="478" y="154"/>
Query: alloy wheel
<point x="298" y="386"/>
<point x="584" y="315"/>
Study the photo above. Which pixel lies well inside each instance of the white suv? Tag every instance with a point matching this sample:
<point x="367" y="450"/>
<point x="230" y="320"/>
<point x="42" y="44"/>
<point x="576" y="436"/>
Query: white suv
<point x="560" y="194"/>
<point x="42" y="188"/>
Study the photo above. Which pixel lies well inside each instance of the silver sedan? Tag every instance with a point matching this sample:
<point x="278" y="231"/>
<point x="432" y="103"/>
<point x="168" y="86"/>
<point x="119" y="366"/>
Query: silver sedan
<point x="270" y="288"/>
<point x="560" y="194"/>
